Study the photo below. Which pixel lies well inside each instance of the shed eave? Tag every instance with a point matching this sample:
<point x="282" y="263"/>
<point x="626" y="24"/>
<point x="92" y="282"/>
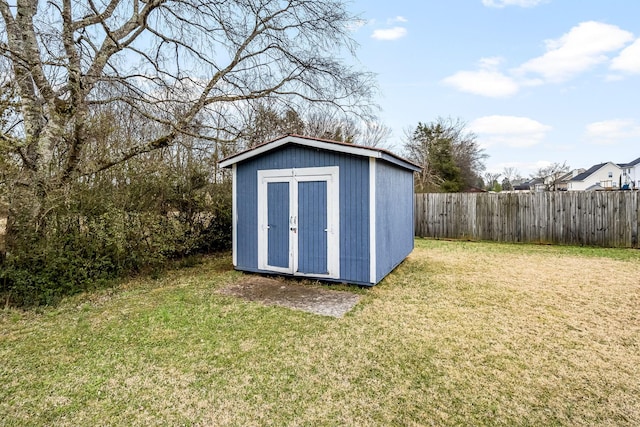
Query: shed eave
<point x="399" y="162"/>
<point x="320" y="144"/>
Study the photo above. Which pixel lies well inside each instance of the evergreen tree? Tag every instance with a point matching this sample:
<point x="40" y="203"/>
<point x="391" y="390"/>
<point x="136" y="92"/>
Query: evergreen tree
<point x="443" y="166"/>
<point x="506" y="184"/>
<point x="450" y="157"/>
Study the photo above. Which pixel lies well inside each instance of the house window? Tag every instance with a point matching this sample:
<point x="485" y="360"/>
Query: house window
<point x="610" y="174"/>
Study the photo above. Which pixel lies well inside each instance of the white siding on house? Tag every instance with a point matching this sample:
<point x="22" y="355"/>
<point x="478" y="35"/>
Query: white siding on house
<point x="608" y="176"/>
<point x="633" y="176"/>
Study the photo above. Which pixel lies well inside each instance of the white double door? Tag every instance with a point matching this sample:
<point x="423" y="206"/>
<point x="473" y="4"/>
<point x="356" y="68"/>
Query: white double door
<point x="298" y="221"/>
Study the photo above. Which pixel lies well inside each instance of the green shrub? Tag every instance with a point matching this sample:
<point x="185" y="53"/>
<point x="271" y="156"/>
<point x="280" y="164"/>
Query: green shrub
<point x="85" y="248"/>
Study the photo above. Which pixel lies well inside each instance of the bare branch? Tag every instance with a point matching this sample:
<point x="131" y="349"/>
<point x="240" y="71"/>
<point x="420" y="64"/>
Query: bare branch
<point x="97" y="17"/>
<point x="172" y="65"/>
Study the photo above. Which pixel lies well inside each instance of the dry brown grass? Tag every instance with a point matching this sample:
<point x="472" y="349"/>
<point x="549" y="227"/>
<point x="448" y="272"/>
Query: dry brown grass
<point x="460" y="334"/>
<point x="539" y="338"/>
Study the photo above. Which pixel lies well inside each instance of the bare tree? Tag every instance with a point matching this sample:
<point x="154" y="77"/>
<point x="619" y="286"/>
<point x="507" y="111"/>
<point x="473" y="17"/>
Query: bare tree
<point x="321" y="123"/>
<point x="491" y="179"/>
<point x="552" y="174"/>
<point x="511" y="173"/>
<point x="267" y="123"/>
<point x="184" y="68"/>
<point x="374" y="134"/>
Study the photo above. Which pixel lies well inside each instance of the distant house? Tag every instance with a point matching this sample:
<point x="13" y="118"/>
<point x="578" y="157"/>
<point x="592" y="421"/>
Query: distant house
<point x="559" y="181"/>
<point x="536" y="184"/>
<point x="517" y="182"/>
<point x="631" y="174"/>
<point x="605" y="175"/>
<point x="562" y="183"/>
<point x="521" y="186"/>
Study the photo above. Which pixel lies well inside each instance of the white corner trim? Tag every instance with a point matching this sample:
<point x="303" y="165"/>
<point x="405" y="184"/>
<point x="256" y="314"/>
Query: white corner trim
<point x="372" y="220"/>
<point x="234" y="214"/>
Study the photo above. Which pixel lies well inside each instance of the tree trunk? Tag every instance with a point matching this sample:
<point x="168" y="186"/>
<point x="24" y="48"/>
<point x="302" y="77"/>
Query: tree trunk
<point x="26" y="217"/>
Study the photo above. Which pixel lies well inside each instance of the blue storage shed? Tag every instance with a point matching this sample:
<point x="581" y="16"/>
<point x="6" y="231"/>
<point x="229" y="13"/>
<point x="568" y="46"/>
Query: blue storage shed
<point x="321" y="209"/>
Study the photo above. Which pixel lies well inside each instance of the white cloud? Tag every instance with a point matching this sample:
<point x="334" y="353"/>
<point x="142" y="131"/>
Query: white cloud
<point x="355" y="25"/>
<point x="583" y="47"/>
<point x="511" y="131"/>
<point x="394" y="33"/>
<point x="490" y="63"/>
<point x="522" y="3"/>
<point x="483" y="82"/>
<point x="487" y="81"/>
<point x="629" y="59"/>
<point x="613" y="131"/>
<point x="397" y="19"/>
<point x="586" y="45"/>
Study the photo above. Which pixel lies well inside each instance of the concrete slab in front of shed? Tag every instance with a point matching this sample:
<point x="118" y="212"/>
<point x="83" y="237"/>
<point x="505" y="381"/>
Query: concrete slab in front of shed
<point x="312" y="299"/>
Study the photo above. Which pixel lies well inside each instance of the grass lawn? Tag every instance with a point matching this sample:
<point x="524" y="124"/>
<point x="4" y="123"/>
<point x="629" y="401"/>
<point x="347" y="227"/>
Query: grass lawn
<point x="460" y="334"/>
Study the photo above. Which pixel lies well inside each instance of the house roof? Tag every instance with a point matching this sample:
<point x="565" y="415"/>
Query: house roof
<point x="528" y="185"/>
<point x="595" y="187"/>
<point x="565" y="177"/>
<point x="324" y="144"/>
<point x="628" y="165"/>
<point x="593" y="169"/>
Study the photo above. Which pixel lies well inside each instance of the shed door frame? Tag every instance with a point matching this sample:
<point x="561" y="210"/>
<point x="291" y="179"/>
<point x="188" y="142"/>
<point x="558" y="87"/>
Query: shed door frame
<point x="329" y="174"/>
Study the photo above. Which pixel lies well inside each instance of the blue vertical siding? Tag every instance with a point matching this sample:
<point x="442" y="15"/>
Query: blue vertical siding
<point x="394" y="216"/>
<point x="354" y="205"/>
<point x="312" y="225"/>
<point x="278" y="222"/>
<point x="354" y="219"/>
<point x="247" y="218"/>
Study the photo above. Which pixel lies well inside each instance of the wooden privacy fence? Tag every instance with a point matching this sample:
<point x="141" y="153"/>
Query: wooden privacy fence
<point x="608" y="219"/>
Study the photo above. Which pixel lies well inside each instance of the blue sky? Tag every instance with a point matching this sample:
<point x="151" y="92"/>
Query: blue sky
<point x="538" y="81"/>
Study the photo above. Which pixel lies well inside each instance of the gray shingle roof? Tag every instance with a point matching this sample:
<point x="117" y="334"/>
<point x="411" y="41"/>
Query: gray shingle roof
<point x="628" y="165"/>
<point x="585" y="174"/>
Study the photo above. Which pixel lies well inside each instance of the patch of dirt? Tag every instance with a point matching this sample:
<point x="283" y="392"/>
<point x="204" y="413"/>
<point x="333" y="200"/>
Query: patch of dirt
<point x="312" y="299"/>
